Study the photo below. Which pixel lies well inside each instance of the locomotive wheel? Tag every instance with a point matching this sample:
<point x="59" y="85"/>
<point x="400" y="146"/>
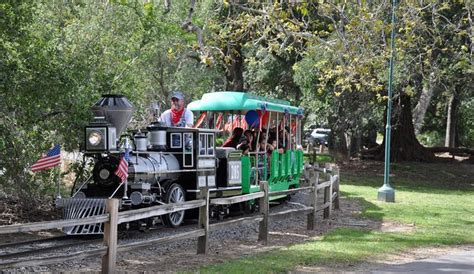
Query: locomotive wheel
<point x="174" y="194"/>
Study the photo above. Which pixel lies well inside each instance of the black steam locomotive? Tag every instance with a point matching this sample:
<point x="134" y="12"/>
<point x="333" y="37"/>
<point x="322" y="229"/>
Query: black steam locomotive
<point x="166" y="165"/>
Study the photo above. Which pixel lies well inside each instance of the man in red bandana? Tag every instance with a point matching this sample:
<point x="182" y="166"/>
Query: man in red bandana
<point x="178" y="115"/>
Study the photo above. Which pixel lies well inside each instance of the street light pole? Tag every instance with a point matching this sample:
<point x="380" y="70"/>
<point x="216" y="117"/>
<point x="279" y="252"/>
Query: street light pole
<point x="386" y="193"/>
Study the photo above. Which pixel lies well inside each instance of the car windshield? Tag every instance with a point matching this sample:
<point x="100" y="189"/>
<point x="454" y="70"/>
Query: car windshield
<point x="322" y="131"/>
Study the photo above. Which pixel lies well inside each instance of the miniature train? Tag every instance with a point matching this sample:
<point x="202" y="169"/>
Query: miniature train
<point x="170" y="164"/>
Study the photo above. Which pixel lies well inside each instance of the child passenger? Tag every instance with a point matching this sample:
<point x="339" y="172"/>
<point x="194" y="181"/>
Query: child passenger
<point x="245" y="149"/>
<point x="246" y="139"/>
<point x="234" y="139"/>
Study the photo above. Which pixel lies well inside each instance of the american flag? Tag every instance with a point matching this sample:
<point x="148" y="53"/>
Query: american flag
<point x="122" y="170"/>
<point x="51" y="159"/>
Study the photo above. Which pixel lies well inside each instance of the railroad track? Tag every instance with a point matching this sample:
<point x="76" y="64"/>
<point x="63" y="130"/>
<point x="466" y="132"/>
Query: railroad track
<point x="11" y="253"/>
<point x="23" y="250"/>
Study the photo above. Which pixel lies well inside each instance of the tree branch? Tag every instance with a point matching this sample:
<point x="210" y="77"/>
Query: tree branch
<point x="247" y="9"/>
<point x="167" y="6"/>
<point x="188" y="25"/>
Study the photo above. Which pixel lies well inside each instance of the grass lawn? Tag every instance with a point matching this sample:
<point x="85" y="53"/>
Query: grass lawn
<point x="320" y="158"/>
<point x="438" y="200"/>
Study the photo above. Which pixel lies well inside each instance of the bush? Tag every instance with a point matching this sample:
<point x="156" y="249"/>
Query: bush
<point x="431" y="138"/>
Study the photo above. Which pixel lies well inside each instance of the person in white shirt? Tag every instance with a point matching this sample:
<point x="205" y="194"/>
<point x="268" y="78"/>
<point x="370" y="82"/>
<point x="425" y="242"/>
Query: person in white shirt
<point x="178" y="115"/>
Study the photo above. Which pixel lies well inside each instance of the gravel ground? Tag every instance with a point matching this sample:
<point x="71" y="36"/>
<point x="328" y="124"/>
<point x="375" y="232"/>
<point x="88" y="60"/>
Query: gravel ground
<point x="231" y="242"/>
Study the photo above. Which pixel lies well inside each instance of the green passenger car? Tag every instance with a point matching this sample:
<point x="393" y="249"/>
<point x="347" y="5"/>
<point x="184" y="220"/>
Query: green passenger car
<point x="269" y="120"/>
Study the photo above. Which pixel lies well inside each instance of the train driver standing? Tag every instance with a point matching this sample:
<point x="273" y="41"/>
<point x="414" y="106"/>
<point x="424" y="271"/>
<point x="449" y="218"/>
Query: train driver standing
<point x="178" y="115"/>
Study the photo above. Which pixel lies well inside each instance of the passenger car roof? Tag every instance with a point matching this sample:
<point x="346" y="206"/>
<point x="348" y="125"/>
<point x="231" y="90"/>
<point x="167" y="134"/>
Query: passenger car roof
<point x="234" y="101"/>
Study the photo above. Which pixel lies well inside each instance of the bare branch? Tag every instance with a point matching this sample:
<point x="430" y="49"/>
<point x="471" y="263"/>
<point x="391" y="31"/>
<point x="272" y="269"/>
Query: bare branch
<point x="247" y="9"/>
<point x="167" y="6"/>
<point x="190" y="27"/>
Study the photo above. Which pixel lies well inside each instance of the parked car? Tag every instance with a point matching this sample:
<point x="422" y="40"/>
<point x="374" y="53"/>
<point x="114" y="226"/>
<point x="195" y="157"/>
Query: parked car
<point x="319" y="136"/>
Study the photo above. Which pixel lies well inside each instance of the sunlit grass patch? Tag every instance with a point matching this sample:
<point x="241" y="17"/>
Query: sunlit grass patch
<point x="439" y="215"/>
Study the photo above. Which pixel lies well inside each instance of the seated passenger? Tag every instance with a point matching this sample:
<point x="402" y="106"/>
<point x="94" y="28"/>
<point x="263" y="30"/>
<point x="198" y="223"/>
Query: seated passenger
<point x="234" y="139"/>
<point x="245" y="149"/>
<point x="264" y="158"/>
<point x="284" y="143"/>
<point x="262" y="146"/>
<point x="260" y="137"/>
<point x="271" y="146"/>
<point x="246" y="139"/>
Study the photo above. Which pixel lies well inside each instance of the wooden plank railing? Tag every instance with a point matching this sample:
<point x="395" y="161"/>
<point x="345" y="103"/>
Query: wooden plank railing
<point x="112" y="218"/>
<point x="147" y="212"/>
<point x="289" y="191"/>
<point x="236" y="199"/>
<point x="38" y="226"/>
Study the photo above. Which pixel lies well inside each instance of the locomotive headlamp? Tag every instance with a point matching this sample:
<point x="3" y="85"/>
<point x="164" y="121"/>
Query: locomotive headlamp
<point x="95" y="138"/>
<point x="100" y="138"/>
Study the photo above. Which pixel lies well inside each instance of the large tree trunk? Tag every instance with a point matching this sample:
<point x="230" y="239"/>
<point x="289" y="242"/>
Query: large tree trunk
<point x="420" y="109"/>
<point x="355" y="143"/>
<point x="404" y="145"/>
<point x="234" y="73"/>
<point x="369" y="136"/>
<point x="338" y="143"/>
<point x="451" y="120"/>
<point x="337" y="138"/>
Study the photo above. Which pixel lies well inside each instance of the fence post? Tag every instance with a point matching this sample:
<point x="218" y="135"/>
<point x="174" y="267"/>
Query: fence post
<point x="110" y="236"/>
<point x="338" y="181"/>
<point x="307" y="173"/>
<point x="264" y="208"/>
<point x="326" y="199"/>
<point x="332" y="179"/>
<point x="328" y="193"/>
<point x="313" y="198"/>
<point x="203" y="241"/>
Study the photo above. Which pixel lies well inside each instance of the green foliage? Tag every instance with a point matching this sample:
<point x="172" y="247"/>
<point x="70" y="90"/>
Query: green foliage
<point x="440" y="39"/>
<point x="344" y="77"/>
<point x="320" y="158"/>
<point x="60" y="57"/>
<point x="431" y="138"/>
<point x="466" y="123"/>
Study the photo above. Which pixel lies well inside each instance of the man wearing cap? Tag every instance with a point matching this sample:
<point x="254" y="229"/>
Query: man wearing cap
<point x="178" y="115"/>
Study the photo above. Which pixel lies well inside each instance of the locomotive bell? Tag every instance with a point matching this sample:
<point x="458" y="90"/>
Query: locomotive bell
<point x="116" y="109"/>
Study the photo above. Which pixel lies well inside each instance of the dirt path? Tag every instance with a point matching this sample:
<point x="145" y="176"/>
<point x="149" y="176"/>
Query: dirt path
<point x="459" y="259"/>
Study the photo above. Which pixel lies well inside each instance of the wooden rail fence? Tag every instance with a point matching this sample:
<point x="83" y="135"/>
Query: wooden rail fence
<point x="111" y="219"/>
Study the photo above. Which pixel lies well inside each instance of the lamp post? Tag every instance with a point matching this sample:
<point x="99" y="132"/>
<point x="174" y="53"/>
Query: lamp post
<point x="386" y="193"/>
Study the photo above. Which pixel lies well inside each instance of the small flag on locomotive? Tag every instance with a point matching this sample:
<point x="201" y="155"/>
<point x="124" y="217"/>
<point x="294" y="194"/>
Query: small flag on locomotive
<point x="122" y="170"/>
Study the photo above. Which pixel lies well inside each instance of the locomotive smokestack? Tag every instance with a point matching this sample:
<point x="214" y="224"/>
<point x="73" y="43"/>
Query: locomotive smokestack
<point x="116" y="109"/>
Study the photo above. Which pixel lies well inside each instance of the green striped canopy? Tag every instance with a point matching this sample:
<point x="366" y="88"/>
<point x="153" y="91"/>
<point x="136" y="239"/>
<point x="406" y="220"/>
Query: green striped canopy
<point x="235" y="101"/>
